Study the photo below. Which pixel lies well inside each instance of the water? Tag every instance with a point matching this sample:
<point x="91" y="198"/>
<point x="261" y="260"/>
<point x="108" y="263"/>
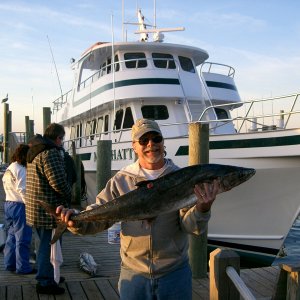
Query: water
<point x="291" y="246"/>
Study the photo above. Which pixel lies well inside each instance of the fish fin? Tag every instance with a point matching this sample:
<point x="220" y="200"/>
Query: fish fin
<point x="61" y="227"/>
<point x="50" y="209"/>
<point x="59" y="230"/>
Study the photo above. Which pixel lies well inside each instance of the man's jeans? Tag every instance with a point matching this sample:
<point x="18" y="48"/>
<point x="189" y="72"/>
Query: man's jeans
<point x="45" y="273"/>
<point x="176" y="285"/>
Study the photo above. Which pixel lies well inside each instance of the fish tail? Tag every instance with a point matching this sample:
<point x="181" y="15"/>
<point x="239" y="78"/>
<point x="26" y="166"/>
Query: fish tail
<point x="59" y="230"/>
<point x="61" y="227"/>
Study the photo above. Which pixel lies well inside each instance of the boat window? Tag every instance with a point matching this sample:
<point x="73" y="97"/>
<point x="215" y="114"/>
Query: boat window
<point x="106" y="123"/>
<point x="135" y="60"/>
<point x="186" y="64"/>
<point x="79" y="135"/>
<point x="88" y="128"/>
<point x="128" y="120"/>
<point x="93" y="126"/>
<point x="155" y="112"/>
<point x="221" y="113"/>
<point x="118" y="119"/>
<point x="103" y="69"/>
<point x="73" y="133"/>
<point x="108" y="65"/>
<point x="117" y="64"/>
<point x="87" y="71"/>
<point x="163" y="60"/>
<point x="100" y="125"/>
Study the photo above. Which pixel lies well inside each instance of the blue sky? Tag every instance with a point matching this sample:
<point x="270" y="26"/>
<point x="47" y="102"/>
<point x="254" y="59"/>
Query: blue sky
<point x="260" y="39"/>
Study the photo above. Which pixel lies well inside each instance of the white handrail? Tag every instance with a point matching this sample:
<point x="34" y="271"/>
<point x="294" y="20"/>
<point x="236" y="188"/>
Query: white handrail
<point x="239" y="283"/>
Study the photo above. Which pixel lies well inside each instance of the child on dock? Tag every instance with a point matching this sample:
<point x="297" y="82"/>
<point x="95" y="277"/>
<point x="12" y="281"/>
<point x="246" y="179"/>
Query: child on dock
<point x="19" y="234"/>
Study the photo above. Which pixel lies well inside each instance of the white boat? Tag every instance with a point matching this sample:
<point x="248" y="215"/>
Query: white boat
<point x="117" y="82"/>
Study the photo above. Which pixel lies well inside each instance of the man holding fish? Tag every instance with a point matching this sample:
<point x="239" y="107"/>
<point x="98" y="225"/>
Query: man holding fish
<point x="154" y="252"/>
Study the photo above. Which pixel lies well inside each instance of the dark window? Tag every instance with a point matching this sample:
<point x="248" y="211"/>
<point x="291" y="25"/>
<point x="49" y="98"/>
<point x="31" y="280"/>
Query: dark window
<point x="128" y="120"/>
<point x="163" y="60"/>
<point x="106" y="120"/>
<point x="118" y="119"/>
<point x="117" y="65"/>
<point x="186" y="64"/>
<point x="103" y="69"/>
<point x="155" y="112"/>
<point x="135" y="60"/>
<point x="221" y="113"/>
<point x="108" y="65"/>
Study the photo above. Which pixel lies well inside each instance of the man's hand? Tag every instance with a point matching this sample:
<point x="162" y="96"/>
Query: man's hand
<point x="206" y="194"/>
<point x="65" y="214"/>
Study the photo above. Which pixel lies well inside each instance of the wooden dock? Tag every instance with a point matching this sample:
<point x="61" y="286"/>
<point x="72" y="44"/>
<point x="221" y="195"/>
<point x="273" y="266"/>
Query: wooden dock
<point x="80" y="285"/>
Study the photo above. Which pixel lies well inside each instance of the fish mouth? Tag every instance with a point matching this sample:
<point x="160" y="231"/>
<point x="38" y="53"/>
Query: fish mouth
<point x="232" y="180"/>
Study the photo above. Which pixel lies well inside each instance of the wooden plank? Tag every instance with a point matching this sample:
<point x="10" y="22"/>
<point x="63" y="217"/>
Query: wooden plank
<point x="200" y="289"/>
<point x="91" y="290"/>
<point x="46" y="297"/>
<point x="114" y="283"/>
<point x="107" y="290"/>
<point x="271" y="276"/>
<point x="29" y="292"/>
<point x="263" y="280"/>
<point x="76" y="291"/>
<point x="2" y="292"/>
<point x="66" y="295"/>
<point x="14" y="293"/>
<point x="257" y="288"/>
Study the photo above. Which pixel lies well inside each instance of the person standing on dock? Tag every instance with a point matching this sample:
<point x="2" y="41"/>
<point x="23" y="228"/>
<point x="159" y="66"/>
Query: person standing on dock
<point x="19" y="234"/>
<point x="46" y="181"/>
<point x="154" y="253"/>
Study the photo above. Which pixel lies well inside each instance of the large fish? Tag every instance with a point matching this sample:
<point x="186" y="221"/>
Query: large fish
<point x="165" y="194"/>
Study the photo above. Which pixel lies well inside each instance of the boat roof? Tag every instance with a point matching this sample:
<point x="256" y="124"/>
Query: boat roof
<point x="197" y="54"/>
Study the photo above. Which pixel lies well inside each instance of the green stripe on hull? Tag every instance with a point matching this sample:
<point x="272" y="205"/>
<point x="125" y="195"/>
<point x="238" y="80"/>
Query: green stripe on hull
<point x="221" y="85"/>
<point x="129" y="82"/>
<point x="246" y="143"/>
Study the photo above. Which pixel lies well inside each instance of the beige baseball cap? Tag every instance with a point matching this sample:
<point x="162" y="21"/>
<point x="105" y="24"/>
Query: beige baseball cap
<point x="143" y="126"/>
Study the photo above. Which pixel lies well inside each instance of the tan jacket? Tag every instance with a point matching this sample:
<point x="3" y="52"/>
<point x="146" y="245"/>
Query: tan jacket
<point x="155" y="248"/>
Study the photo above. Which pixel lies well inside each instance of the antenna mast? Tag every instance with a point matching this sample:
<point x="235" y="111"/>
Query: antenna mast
<point x="154" y="25"/>
<point x="55" y="66"/>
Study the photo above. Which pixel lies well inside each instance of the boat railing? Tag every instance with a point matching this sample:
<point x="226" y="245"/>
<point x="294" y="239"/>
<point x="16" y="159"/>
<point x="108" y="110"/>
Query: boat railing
<point x="212" y="67"/>
<point x="260" y="121"/>
<point x="259" y="113"/>
<point x="60" y="101"/>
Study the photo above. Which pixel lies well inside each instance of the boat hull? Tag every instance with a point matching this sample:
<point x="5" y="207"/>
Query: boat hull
<point x="257" y="215"/>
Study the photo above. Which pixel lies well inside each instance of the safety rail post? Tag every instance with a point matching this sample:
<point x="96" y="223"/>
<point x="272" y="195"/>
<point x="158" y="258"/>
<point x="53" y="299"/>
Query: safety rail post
<point x="198" y="153"/>
<point x="220" y="285"/>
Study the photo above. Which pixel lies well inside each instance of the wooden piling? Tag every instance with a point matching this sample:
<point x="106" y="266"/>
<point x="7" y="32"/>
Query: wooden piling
<point x="27" y="128"/>
<point x="220" y="285"/>
<point x="46" y="117"/>
<point x="76" y="199"/>
<point x="288" y="282"/>
<point x="5" y="133"/>
<point x="198" y="153"/>
<point x="31" y="128"/>
<point x="103" y="172"/>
